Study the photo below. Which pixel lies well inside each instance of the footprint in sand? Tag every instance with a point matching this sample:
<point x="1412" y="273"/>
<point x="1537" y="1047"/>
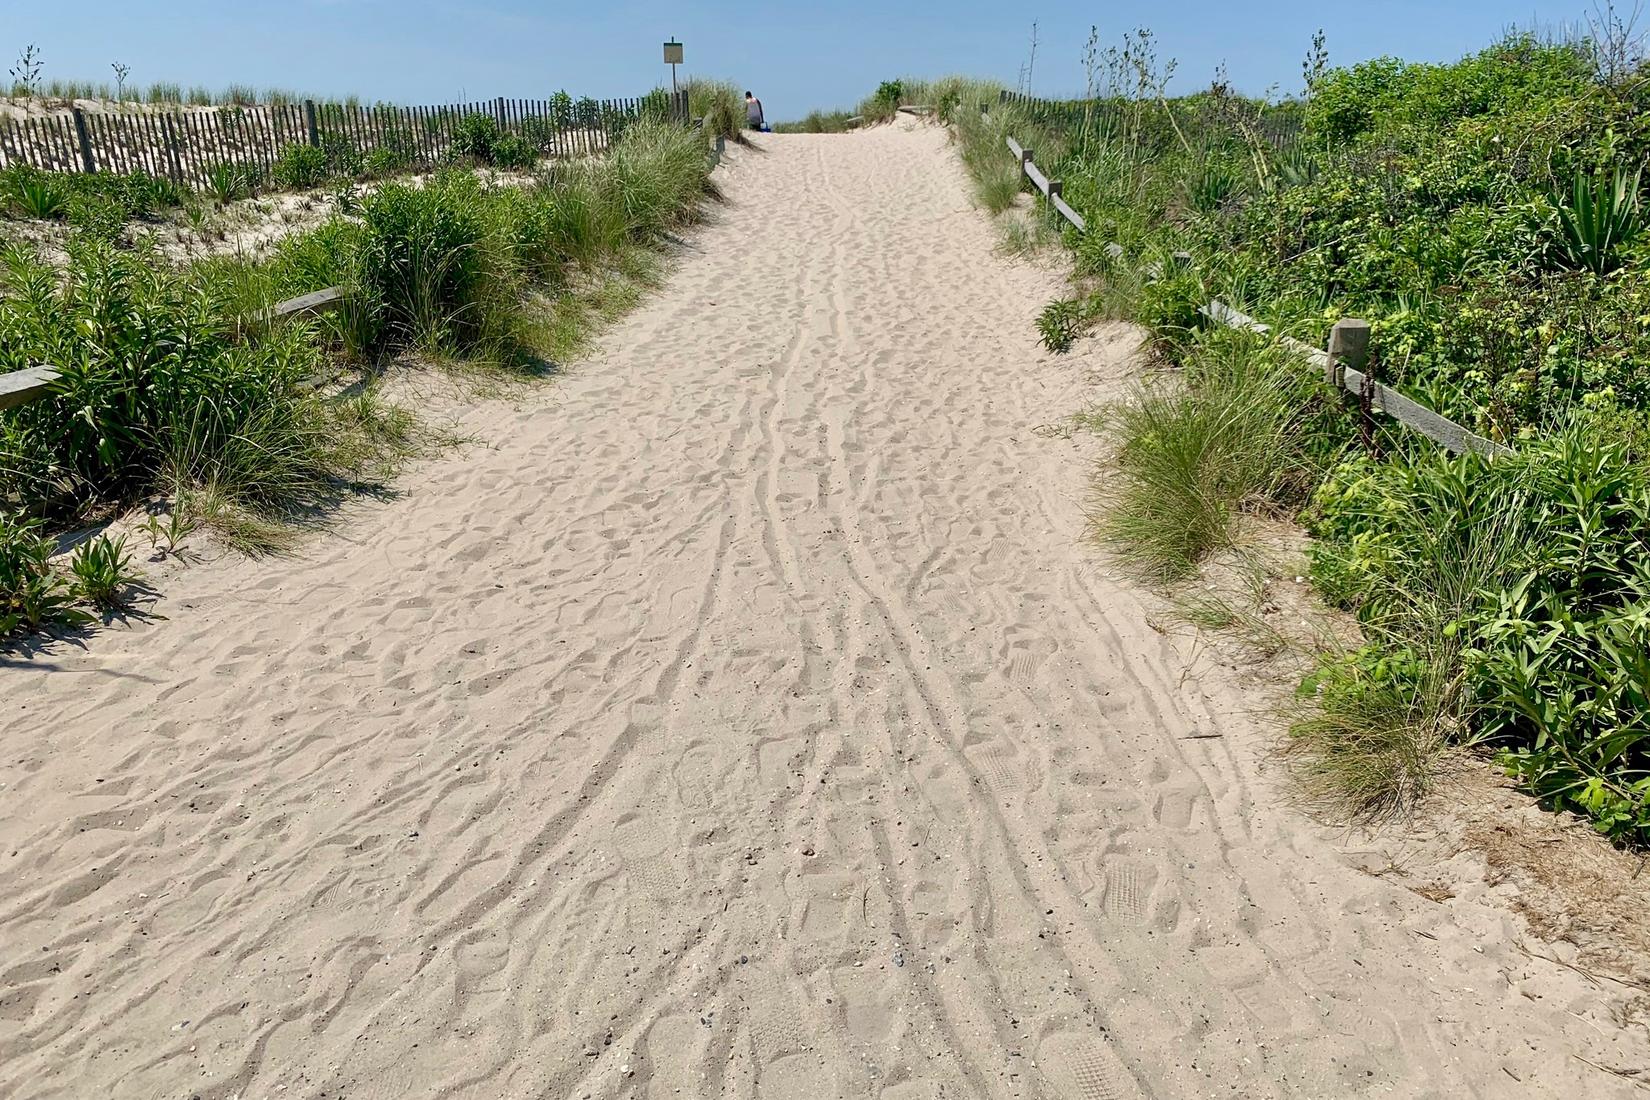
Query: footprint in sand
<point x="1128" y="884"/>
<point x="644" y="849"/>
<point x="1083" y="1067"/>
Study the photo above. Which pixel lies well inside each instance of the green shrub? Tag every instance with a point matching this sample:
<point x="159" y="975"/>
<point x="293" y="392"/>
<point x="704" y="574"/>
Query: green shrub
<point x="474" y="137"/>
<point x="1599" y="218"/>
<point x="33" y="595"/>
<point x="228" y="181"/>
<point x="158" y="388"/>
<point x="426" y="256"/>
<point x="98" y="216"/>
<point x="300" y="167"/>
<point x="1539" y="565"/>
<point x="385" y="161"/>
<point x="1059" y="324"/>
<point x="37" y="195"/>
<point x="515" y="152"/>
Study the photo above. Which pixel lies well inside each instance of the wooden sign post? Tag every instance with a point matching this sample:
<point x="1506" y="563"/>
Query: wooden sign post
<point x="673" y="58"/>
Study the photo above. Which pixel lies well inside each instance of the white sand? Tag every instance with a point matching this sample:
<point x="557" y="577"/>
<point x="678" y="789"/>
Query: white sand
<point x="749" y="720"/>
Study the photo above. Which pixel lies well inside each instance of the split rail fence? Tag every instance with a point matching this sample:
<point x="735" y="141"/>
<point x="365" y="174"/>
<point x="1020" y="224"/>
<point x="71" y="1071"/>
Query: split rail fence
<point x="19" y="387"/>
<point x="1345" y="361"/>
<point x="187" y="145"/>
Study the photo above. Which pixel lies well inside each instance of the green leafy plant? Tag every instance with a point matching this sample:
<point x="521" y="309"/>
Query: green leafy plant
<point x="385" y="161"/>
<point x="102" y="572"/>
<point x="345" y="196"/>
<point x="1059" y="323"/>
<point x="1599" y="217"/>
<point x="515" y="152"/>
<point x="33" y="595"/>
<point x="228" y="181"/>
<point x="38" y="195"/>
<point x="98" y="216"/>
<point x="1211" y="184"/>
<point x="172" y="531"/>
<point x="300" y="167"/>
<point x="474" y="137"/>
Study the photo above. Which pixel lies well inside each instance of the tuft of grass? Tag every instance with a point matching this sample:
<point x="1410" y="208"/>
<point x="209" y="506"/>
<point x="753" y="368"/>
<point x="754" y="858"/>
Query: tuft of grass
<point x="102" y="572"/>
<point x="720" y="103"/>
<point x="1024" y="236"/>
<point x="999" y="187"/>
<point x="1198" y="450"/>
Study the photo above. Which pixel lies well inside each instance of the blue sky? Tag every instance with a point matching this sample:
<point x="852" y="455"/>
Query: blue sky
<point x="796" y="56"/>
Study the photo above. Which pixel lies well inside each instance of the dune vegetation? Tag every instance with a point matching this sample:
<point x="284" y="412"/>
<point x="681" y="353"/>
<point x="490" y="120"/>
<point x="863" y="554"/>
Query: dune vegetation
<point x="174" y="385"/>
<point x="1486" y="217"/>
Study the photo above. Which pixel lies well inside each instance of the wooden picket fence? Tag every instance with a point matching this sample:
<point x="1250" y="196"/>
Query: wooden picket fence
<point x="188" y="145"/>
<point x="1345" y="361"/>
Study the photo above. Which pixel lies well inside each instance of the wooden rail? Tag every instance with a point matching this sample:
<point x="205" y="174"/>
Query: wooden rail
<point x="1344" y="368"/>
<point x="19" y="387"/>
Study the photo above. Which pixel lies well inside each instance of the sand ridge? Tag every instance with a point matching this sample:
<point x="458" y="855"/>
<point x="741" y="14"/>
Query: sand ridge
<point x="747" y="719"/>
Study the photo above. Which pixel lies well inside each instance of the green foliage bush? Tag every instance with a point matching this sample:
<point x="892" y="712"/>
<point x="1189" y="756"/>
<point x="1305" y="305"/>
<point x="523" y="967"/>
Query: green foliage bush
<point x="300" y="167"/>
<point x="1540" y="566"/>
<point x="515" y="151"/>
<point x="474" y="136"/>
<point x="101" y="570"/>
<point x="28" y="192"/>
<point x="157" y="387"/>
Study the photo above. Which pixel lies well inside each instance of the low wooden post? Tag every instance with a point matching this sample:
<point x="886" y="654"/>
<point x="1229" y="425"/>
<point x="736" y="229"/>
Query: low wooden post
<point x="1025" y="159"/>
<point x="1348" y="347"/>
<point x="309" y="122"/>
<point x="1056" y="188"/>
<point x="88" y="163"/>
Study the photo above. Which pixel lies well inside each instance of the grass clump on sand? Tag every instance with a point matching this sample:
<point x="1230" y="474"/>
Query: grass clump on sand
<point x="1228" y="435"/>
<point x="720" y="103"/>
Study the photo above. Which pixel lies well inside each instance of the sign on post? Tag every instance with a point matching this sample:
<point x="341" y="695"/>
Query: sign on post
<point x="673" y="58"/>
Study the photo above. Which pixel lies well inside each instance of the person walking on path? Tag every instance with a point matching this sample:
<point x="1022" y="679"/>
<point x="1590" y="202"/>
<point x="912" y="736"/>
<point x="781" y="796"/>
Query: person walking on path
<point x="753" y="113"/>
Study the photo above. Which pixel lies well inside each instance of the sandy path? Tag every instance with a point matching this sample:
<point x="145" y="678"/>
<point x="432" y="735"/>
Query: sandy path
<point x="749" y="721"/>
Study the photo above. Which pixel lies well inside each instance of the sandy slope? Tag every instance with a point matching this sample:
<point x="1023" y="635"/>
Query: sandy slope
<point x="748" y="720"/>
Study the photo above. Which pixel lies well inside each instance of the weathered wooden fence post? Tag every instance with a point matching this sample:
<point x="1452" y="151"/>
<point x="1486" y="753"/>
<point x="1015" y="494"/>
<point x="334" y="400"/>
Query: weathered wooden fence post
<point x="88" y="164"/>
<point x="1349" y="347"/>
<point x="309" y="122"/>
<point x="1025" y="159"/>
<point x="498" y="112"/>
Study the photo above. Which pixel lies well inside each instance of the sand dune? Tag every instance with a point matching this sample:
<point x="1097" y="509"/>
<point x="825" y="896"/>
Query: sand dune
<point x="746" y="719"/>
